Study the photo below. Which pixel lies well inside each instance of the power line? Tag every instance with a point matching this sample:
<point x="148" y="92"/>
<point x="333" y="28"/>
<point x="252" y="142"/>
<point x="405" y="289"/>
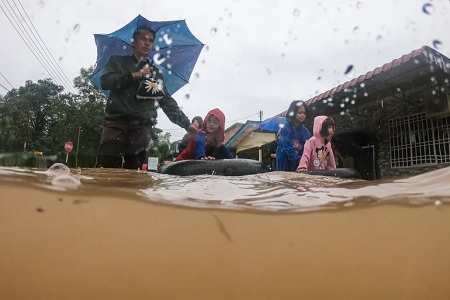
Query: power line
<point x="22" y="31"/>
<point x="26" y="32"/>
<point x="40" y="39"/>
<point x="7" y="80"/>
<point x="4" y="87"/>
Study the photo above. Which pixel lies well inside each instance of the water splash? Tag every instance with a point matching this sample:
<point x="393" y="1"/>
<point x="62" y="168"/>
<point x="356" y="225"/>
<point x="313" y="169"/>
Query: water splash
<point x="66" y="181"/>
<point x="58" y="168"/>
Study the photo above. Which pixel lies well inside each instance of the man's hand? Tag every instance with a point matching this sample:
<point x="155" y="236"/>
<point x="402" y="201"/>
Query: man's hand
<point x="142" y="73"/>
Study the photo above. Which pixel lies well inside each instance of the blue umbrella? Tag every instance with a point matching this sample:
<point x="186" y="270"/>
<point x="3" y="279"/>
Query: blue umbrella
<point x="272" y="124"/>
<point x="175" y="50"/>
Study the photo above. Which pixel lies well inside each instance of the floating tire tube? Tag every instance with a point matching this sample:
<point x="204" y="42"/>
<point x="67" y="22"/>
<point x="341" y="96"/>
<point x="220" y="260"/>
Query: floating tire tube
<point x="224" y="167"/>
<point x="340" y="172"/>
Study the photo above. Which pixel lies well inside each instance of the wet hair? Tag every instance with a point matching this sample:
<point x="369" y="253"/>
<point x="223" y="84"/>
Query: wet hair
<point x="141" y="29"/>
<point x="293" y="109"/>
<point x="327" y="123"/>
<point x="199" y="120"/>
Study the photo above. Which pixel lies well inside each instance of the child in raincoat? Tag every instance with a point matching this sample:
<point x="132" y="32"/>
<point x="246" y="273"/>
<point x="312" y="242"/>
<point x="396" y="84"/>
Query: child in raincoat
<point x="207" y="143"/>
<point x="318" y="154"/>
<point x="292" y="137"/>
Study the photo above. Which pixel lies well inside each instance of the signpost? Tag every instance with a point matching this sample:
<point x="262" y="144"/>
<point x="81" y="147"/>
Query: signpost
<point x="68" y="147"/>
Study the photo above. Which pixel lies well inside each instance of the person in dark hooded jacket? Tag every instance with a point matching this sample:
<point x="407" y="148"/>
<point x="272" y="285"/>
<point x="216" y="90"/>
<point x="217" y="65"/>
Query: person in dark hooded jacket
<point x="197" y="122"/>
<point x="292" y="137"/>
<point x="207" y="143"/>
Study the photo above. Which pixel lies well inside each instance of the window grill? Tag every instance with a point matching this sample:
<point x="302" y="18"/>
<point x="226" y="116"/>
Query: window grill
<point x="416" y="140"/>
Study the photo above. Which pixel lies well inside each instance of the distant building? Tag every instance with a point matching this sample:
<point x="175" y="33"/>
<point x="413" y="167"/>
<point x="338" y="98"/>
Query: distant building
<point x="392" y="121"/>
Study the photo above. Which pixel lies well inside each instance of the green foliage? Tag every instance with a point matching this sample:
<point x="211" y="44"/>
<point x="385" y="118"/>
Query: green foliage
<point x="160" y="145"/>
<point x="42" y="117"/>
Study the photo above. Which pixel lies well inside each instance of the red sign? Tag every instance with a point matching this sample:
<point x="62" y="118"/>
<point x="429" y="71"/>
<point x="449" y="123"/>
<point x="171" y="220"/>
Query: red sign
<point x="68" y="146"/>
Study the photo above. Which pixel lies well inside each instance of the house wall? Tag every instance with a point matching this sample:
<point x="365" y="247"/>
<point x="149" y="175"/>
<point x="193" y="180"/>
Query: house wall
<point x="374" y="117"/>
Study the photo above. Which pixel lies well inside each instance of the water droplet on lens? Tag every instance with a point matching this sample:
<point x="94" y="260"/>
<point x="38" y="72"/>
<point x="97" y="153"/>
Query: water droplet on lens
<point x="76" y="28"/>
<point x="167" y="39"/>
<point x="197" y="75"/>
<point x="438" y="203"/>
<point x="158" y="58"/>
<point x="187" y="96"/>
<point x="213" y="30"/>
<point x="437" y="44"/>
<point x="296" y="12"/>
<point x="348" y="71"/>
<point x="60" y="58"/>
<point x="169" y="66"/>
<point x="428" y="8"/>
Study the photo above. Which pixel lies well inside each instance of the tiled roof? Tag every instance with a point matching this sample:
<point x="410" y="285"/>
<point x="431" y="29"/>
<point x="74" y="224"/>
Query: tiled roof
<point x="424" y="54"/>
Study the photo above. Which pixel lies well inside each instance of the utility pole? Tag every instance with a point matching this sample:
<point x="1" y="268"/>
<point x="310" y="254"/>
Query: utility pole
<point x="78" y="145"/>
<point x="260" y="115"/>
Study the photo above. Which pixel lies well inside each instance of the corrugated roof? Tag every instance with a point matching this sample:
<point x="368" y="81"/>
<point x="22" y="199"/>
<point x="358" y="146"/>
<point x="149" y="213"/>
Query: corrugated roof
<point x="425" y="53"/>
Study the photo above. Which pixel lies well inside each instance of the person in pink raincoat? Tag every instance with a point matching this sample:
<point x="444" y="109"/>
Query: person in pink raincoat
<point x="318" y="154"/>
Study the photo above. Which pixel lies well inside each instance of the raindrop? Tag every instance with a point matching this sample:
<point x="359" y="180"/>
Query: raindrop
<point x="41" y="4"/>
<point x="438" y="203"/>
<point x="355" y="28"/>
<point x="437" y="44"/>
<point x="319" y="78"/>
<point x="213" y="30"/>
<point x="342" y="113"/>
<point x="167" y="39"/>
<point x="76" y="28"/>
<point x="60" y="58"/>
<point x="187" y="96"/>
<point x="433" y="79"/>
<point x="158" y="58"/>
<point x="124" y="47"/>
<point x="379" y="38"/>
<point x="366" y="94"/>
<point x="203" y="61"/>
<point x="169" y="66"/>
<point x="342" y="105"/>
<point x="168" y="52"/>
<point x="291" y="113"/>
<point x="428" y="8"/>
<point x="353" y="102"/>
<point x="157" y="48"/>
<point x="348" y="70"/>
<point x="324" y="101"/>
<point x="283" y="55"/>
<point x="269" y="71"/>
<point x="362" y="85"/>
<point x="197" y="75"/>
<point x="358" y="4"/>
<point x="206" y="48"/>
<point x="296" y="12"/>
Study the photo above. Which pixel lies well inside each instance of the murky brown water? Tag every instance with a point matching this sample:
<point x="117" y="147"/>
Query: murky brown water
<point x="118" y="234"/>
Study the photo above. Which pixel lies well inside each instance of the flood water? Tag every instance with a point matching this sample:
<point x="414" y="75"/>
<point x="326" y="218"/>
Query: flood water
<point x="121" y="234"/>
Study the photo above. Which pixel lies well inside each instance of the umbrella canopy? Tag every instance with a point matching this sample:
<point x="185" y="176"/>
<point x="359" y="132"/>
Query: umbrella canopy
<point x="272" y="124"/>
<point x="175" y="50"/>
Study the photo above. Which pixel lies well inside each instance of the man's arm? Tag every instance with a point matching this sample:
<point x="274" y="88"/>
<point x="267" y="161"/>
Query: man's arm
<point x="173" y="111"/>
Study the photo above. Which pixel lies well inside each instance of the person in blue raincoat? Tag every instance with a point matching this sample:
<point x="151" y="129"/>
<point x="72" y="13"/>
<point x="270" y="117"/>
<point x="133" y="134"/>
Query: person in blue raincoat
<point x="292" y="137"/>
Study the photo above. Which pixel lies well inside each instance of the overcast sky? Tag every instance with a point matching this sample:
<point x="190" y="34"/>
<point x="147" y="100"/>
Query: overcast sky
<point x="259" y="54"/>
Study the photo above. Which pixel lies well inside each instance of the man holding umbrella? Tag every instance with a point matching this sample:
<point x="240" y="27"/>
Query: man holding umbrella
<point x="136" y="88"/>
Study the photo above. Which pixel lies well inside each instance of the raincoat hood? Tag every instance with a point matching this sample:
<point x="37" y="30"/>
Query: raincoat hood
<point x="318" y="122"/>
<point x="220" y="135"/>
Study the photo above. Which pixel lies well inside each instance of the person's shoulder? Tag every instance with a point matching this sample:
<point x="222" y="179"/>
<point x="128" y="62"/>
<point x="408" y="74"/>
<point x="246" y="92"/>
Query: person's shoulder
<point x="120" y="58"/>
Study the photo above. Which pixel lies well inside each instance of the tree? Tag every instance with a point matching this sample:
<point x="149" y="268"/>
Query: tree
<point x="160" y="145"/>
